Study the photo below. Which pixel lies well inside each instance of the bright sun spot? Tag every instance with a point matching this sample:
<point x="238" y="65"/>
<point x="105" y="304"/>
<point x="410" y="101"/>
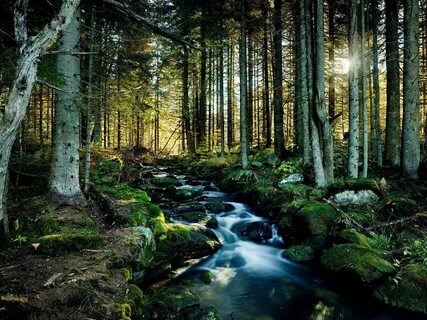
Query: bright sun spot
<point x="343" y="65"/>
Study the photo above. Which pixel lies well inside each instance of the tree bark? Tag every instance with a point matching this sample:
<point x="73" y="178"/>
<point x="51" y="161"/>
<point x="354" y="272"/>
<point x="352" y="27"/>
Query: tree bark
<point x="363" y="89"/>
<point x="392" y="134"/>
<point x="64" y="180"/>
<point x="201" y="136"/>
<point x="321" y="111"/>
<point x="244" y="139"/>
<point x="411" y="125"/>
<point x="267" y="116"/>
<point x="376" y="82"/>
<point x="30" y="50"/>
<point x="353" y="136"/>
<point x="279" y="142"/>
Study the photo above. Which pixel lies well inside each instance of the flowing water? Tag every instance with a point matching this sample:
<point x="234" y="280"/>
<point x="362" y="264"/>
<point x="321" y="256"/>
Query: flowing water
<point x="251" y="280"/>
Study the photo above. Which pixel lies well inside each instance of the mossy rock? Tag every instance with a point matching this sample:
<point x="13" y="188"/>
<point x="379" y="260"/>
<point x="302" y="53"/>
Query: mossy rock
<point x="297" y="191"/>
<point x="407" y="290"/>
<point x="353" y="184"/>
<point x="315" y="218"/>
<point x="236" y="180"/>
<point x="217" y="206"/>
<point x="69" y="241"/>
<point x="352" y="236"/>
<point x="187" y="193"/>
<point x="317" y="243"/>
<point x="364" y="217"/>
<point x="201" y="218"/>
<point x="299" y="253"/>
<point x="166" y="182"/>
<point x="135" y="294"/>
<point x="357" y="260"/>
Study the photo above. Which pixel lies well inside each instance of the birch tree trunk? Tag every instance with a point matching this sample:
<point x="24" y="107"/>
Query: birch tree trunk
<point x="201" y="137"/>
<point x="353" y="136"/>
<point x="64" y="180"/>
<point x="221" y="98"/>
<point x="392" y="133"/>
<point x="244" y="141"/>
<point x="411" y="121"/>
<point x="30" y="50"/>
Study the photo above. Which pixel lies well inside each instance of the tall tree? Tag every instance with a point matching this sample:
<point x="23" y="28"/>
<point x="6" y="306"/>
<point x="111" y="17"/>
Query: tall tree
<point x="201" y="136"/>
<point x="363" y="90"/>
<point x="267" y="116"/>
<point x="376" y="83"/>
<point x="392" y="134"/>
<point x="64" y="182"/>
<point x="321" y="111"/>
<point x="29" y="52"/>
<point x="244" y="139"/>
<point x="353" y="135"/>
<point x="279" y="140"/>
<point x="411" y="90"/>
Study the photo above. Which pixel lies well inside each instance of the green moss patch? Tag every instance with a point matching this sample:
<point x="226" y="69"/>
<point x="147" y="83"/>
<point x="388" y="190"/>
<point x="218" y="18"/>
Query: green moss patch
<point x="407" y="290"/>
<point x="361" y="261"/>
<point x="315" y="218"/>
<point x="165" y="182"/>
<point x="69" y="241"/>
<point x="299" y="253"/>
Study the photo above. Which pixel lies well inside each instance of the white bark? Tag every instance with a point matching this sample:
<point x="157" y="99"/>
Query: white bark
<point x="364" y="102"/>
<point x="353" y="136"/>
<point x="29" y="52"/>
<point x="64" y="182"/>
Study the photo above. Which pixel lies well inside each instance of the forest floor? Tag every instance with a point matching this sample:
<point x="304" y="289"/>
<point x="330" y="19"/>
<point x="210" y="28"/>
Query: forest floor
<point x="92" y="262"/>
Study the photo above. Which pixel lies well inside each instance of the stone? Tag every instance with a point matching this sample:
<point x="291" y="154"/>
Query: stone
<point x="407" y="290"/>
<point x="356" y="198"/>
<point x="362" y="262"/>
<point x="299" y="253"/>
<point x="256" y="231"/>
<point x="293" y="178"/>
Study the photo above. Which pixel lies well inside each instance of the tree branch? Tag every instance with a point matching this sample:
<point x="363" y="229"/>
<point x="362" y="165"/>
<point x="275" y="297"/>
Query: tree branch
<point x="20" y="22"/>
<point x="148" y="25"/>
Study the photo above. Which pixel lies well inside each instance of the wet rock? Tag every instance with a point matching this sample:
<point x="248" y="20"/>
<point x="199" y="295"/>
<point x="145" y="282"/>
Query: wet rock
<point x="314" y="218"/>
<point x="359" y="261"/>
<point x="356" y="198"/>
<point x="142" y="241"/>
<point x="299" y="253"/>
<point x="407" y="290"/>
<point x="201" y="218"/>
<point x="189" y="207"/>
<point x="291" y="179"/>
<point x="230" y="259"/>
<point x="352" y="236"/>
<point x="193" y="182"/>
<point x="166" y="182"/>
<point x="217" y="206"/>
<point x="204" y="314"/>
<point x="187" y="193"/>
<point x="209" y="188"/>
<point x="256" y="231"/>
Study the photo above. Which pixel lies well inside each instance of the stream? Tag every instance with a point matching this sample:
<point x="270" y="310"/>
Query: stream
<point x="252" y="281"/>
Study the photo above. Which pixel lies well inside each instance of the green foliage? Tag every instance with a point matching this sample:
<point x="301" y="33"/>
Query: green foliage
<point x="216" y="205"/>
<point x="382" y="242"/>
<point x="352" y="236"/>
<point x="299" y="253"/>
<point x="290" y="166"/>
<point x="69" y="241"/>
<point x="125" y="310"/>
<point x="126" y="193"/>
<point x="416" y="250"/>
<point x="165" y="182"/>
<point x="48" y="223"/>
<point x="107" y="172"/>
<point x="316" y="217"/>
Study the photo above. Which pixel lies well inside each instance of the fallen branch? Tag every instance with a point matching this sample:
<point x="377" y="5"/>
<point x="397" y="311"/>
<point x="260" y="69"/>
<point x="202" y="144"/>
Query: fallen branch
<point x="338" y="209"/>
<point x="397" y="221"/>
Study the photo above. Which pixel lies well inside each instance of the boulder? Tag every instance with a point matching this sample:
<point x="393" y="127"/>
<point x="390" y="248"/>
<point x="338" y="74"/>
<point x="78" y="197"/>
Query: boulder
<point x="356" y="198"/>
<point x="362" y="262"/>
<point x="201" y="218"/>
<point x="144" y="244"/>
<point x="407" y="290"/>
<point x="166" y="182"/>
<point x="314" y="218"/>
<point x="187" y="193"/>
<point x="291" y="179"/>
<point x="257" y="231"/>
<point x="299" y="253"/>
<point x="217" y="206"/>
<point x="352" y="236"/>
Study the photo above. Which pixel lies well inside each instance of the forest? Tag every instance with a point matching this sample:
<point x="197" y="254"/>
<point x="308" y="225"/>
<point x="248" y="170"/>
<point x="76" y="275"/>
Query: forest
<point x="201" y="159"/>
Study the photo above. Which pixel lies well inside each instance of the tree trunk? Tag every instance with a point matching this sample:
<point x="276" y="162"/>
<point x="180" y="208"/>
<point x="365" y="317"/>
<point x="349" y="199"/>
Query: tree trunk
<point x="279" y="143"/>
<point x="89" y="101"/>
<point x="363" y="89"/>
<point x="411" y="125"/>
<point x="64" y="182"/>
<point x="321" y="111"/>
<point x="267" y="116"/>
<point x="230" y="95"/>
<point x="331" y="78"/>
<point x="244" y="142"/>
<point x="392" y="134"/>
<point x="353" y="135"/>
<point x="221" y="98"/>
<point x="376" y="82"/>
<point x="201" y="137"/>
<point x="17" y="101"/>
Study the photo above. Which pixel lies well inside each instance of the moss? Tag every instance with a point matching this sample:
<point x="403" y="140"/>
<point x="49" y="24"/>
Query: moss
<point x="209" y="313"/>
<point x="135" y="293"/>
<point x="236" y="180"/>
<point x="316" y="217"/>
<point x="175" y="299"/>
<point x="69" y="241"/>
<point x="153" y="209"/>
<point x="125" y="310"/>
<point x="317" y="194"/>
<point x="296" y="191"/>
<point x="165" y="182"/>
<point x="299" y="253"/>
<point x="216" y="205"/>
<point x="365" y="217"/>
<point x="187" y="193"/>
<point x="407" y="290"/>
<point x="48" y="223"/>
<point x="352" y="236"/>
<point x="127" y="274"/>
<point x="89" y="223"/>
<point x="125" y="193"/>
<point x="356" y="259"/>
<point x="353" y="184"/>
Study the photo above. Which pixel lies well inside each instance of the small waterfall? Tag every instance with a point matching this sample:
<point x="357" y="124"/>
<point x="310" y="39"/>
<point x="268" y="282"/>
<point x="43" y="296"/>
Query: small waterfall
<point x="276" y="239"/>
